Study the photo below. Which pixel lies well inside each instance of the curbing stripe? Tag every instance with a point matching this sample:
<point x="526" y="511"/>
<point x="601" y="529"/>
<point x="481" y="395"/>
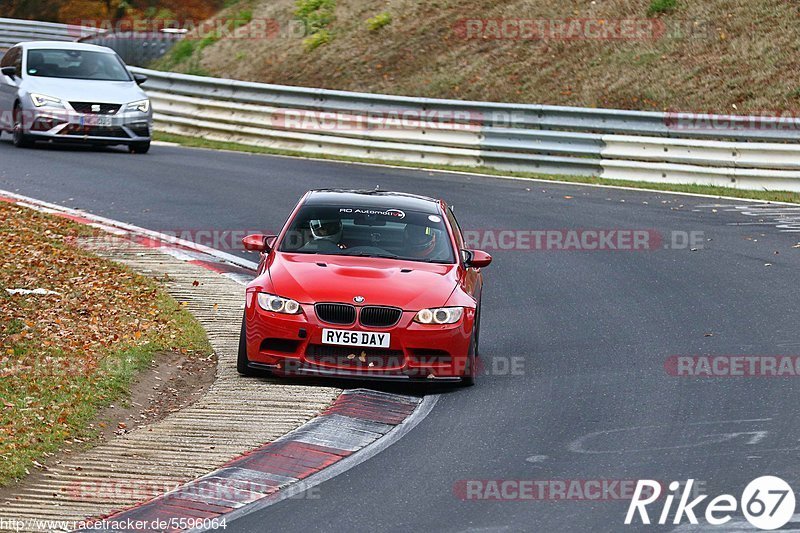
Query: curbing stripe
<point x="266" y="471"/>
<point x="117" y="227"/>
<point x="240" y="271"/>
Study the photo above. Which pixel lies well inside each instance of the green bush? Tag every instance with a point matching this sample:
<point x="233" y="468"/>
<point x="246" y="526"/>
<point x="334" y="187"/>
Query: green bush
<point x="208" y="40"/>
<point x="379" y="21"/>
<point x="243" y="18"/>
<point x="182" y="51"/>
<point x="661" y="6"/>
<point x="317" y="39"/>
<point x="315" y="14"/>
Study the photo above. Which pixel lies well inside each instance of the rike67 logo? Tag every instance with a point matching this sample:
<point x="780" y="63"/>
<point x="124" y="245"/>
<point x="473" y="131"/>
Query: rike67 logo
<point x="767" y="502"/>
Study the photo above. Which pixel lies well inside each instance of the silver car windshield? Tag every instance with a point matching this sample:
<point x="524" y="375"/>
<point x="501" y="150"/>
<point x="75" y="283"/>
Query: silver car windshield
<point x="76" y="64"/>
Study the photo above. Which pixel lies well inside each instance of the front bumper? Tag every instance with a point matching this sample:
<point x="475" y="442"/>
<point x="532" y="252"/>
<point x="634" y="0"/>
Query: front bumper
<point x="291" y="345"/>
<point x="60" y="125"/>
<point x="309" y="371"/>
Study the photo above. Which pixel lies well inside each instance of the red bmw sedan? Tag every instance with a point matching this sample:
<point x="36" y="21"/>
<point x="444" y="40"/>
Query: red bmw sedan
<point x="366" y="285"/>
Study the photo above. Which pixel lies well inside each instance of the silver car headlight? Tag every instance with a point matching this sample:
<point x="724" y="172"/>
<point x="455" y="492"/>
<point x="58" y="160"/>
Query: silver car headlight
<point x="276" y="304"/>
<point x="143" y="106"/>
<point x="440" y="315"/>
<point x="42" y="100"/>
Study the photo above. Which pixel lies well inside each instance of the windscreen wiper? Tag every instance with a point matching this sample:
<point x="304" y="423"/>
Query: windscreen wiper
<point x="368" y="254"/>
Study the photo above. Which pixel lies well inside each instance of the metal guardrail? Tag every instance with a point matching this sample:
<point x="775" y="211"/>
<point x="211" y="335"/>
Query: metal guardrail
<point x="13" y="31"/>
<point x="137" y="48"/>
<point x="629" y="145"/>
<point x="733" y="151"/>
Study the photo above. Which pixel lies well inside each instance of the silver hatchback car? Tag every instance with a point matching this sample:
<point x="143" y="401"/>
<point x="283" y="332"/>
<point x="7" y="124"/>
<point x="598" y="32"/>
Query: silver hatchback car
<point x="72" y="92"/>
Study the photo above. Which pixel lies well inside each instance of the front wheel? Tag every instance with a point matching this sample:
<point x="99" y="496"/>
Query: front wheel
<point x="139" y="147"/>
<point x="468" y="379"/>
<point x="18" y="132"/>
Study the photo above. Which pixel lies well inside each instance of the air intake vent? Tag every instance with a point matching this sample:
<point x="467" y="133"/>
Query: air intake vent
<point x="336" y="313"/>
<point x="380" y="317"/>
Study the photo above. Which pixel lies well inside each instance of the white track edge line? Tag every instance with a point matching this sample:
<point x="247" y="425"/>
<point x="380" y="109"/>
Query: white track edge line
<point x="224" y="256"/>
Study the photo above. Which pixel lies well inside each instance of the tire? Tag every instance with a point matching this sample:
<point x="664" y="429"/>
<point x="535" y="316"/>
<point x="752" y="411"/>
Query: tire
<point x="472" y="360"/>
<point x="19" y="138"/>
<point x="139" y="147"/>
<point x="469" y="375"/>
<point x="478" y="331"/>
<point x="242" y="362"/>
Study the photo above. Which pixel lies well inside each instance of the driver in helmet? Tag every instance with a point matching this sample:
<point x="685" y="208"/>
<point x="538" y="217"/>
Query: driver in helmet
<point x="327" y="230"/>
<point x="419" y="241"/>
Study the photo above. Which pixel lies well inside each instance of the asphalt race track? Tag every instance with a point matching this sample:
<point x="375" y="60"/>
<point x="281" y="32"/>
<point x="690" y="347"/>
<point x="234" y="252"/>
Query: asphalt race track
<point x="587" y="333"/>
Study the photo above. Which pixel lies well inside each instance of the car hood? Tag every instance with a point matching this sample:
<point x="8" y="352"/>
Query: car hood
<point x="408" y="285"/>
<point x="111" y="92"/>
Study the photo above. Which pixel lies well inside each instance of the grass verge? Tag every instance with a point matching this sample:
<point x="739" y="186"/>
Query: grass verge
<point x="64" y="356"/>
<point x="771" y="196"/>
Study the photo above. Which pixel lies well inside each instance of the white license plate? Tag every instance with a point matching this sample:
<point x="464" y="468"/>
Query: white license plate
<point x="96" y="120"/>
<point x="355" y="338"/>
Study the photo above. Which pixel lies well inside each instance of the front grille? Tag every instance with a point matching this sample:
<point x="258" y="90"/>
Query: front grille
<point x="354" y="357"/>
<point x="379" y="317"/>
<point x="336" y="313"/>
<point x="95" y="131"/>
<point x="86" y="108"/>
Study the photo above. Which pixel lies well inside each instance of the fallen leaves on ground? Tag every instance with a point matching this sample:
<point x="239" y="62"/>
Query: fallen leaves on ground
<point x="64" y="355"/>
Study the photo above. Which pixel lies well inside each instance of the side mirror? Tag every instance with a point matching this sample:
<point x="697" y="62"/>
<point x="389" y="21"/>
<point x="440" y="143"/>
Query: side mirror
<point x="259" y="242"/>
<point x="11" y="72"/>
<point x="139" y="78"/>
<point x="476" y="259"/>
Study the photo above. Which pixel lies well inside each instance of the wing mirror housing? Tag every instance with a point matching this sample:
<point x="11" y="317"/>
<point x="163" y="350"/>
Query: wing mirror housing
<point x="139" y="78"/>
<point x="259" y="242"/>
<point x="11" y="72"/>
<point x="476" y="259"/>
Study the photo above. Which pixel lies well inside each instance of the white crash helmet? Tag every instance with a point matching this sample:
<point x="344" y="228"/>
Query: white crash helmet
<point x="326" y="230"/>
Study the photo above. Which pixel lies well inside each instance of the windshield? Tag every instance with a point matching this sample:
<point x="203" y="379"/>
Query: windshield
<point x="76" y="64"/>
<point x="369" y="232"/>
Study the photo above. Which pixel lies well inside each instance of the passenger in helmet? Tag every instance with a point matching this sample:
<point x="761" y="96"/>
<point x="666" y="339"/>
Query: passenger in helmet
<point x="327" y="230"/>
<point x="419" y="241"/>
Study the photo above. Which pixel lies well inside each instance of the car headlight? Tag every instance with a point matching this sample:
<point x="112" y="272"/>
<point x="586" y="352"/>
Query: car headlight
<point x="276" y="304"/>
<point x="439" y="315"/>
<point x="143" y="106"/>
<point x="41" y="100"/>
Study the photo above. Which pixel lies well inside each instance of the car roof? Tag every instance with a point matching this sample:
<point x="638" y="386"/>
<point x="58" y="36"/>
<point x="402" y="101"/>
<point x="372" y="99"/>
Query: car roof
<point x="64" y="45"/>
<point x="373" y="199"/>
